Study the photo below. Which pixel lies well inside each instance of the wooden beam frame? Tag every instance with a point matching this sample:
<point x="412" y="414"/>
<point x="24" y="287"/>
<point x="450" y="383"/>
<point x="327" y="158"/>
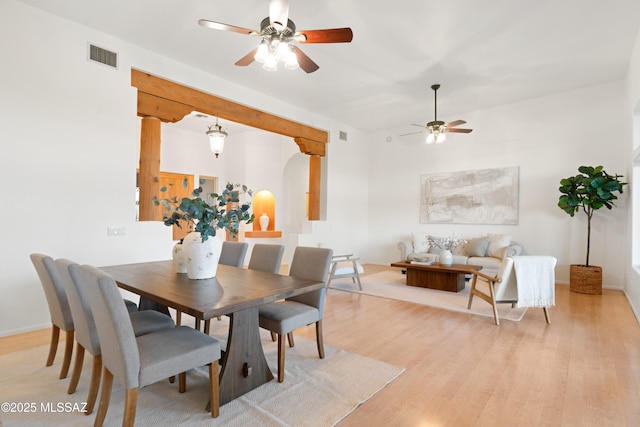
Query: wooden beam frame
<point x="170" y="102"/>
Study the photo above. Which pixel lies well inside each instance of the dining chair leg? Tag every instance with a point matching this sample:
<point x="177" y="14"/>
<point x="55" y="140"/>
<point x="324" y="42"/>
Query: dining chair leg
<point x="319" y="339"/>
<point x="53" y="346"/>
<point x="77" y="369"/>
<point x="273" y="336"/>
<point x="68" y="351"/>
<point x="182" y="382"/>
<point x="178" y="318"/>
<point x="197" y="325"/>
<point x="105" y="396"/>
<point x="280" y="358"/>
<point x="290" y="339"/>
<point x="130" y="403"/>
<point x="546" y="315"/>
<point x="214" y="389"/>
<point x="207" y="326"/>
<point x="94" y="384"/>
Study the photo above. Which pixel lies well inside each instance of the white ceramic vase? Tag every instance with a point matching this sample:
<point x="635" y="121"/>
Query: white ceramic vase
<point x="179" y="261"/>
<point x="264" y="222"/>
<point x="201" y="257"/>
<point x="445" y="258"/>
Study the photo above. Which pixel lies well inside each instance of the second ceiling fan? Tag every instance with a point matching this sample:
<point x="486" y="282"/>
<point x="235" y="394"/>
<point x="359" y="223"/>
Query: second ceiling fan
<point x="437" y="128"/>
<point x="278" y="35"/>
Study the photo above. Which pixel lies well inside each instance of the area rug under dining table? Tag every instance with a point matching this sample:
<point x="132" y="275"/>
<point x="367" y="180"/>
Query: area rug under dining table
<point x="316" y="392"/>
<point x="392" y="284"/>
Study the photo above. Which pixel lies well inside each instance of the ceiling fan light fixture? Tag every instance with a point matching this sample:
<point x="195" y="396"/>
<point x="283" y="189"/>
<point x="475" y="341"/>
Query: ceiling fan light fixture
<point x="270" y="63"/>
<point x="292" y="60"/>
<point x="262" y="52"/>
<point x="217" y="138"/>
<point x="282" y="51"/>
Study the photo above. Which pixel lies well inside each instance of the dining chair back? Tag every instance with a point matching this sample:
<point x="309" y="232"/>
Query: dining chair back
<point x="59" y="310"/>
<point x="139" y="361"/>
<point x="233" y="253"/>
<point x="283" y="317"/>
<point x="143" y="322"/>
<point x="266" y="257"/>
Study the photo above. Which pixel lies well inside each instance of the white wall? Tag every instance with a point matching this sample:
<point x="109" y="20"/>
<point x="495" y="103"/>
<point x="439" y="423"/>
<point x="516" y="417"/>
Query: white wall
<point x="547" y="138"/>
<point x="70" y="142"/>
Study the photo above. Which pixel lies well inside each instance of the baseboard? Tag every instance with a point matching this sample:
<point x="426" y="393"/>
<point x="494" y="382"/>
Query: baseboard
<point x="23" y="330"/>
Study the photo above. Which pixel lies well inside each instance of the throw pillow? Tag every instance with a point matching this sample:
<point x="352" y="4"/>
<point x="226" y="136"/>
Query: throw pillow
<point x="478" y="247"/>
<point x="435" y="249"/>
<point x="420" y="243"/>
<point x="497" y="243"/>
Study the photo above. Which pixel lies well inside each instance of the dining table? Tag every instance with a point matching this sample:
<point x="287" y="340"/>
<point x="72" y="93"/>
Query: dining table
<point x="234" y="291"/>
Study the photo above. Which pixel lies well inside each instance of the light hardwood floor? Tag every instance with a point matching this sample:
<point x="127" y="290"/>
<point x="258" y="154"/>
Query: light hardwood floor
<point x="462" y="370"/>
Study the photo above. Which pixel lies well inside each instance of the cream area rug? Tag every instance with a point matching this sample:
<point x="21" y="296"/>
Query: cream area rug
<point x="315" y="392"/>
<point x="392" y="284"/>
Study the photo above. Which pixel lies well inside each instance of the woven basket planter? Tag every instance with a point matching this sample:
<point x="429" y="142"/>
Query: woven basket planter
<point x="585" y="279"/>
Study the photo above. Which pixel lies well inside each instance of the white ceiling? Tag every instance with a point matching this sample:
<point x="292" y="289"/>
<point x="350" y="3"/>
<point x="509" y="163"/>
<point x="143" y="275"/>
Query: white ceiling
<point x="484" y="53"/>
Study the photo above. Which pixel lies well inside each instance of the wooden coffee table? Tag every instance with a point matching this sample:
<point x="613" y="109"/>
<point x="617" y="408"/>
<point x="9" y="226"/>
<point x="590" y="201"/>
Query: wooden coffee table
<point x="435" y="276"/>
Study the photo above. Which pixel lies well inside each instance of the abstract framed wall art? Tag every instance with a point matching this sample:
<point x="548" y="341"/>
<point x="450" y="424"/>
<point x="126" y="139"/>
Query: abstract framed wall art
<point x="481" y="196"/>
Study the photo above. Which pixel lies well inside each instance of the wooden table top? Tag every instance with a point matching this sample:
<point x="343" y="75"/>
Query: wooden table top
<point x="232" y="289"/>
<point x="455" y="268"/>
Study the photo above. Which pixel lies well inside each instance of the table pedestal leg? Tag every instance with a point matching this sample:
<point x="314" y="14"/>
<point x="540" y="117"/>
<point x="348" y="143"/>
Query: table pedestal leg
<point x="244" y="366"/>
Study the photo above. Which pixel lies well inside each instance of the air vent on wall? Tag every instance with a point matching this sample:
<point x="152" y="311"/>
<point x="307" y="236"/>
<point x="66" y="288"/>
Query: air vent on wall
<point x="103" y="56"/>
<point x="343" y="135"/>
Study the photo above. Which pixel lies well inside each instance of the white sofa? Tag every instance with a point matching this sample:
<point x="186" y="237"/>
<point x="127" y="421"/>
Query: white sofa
<point x="486" y="251"/>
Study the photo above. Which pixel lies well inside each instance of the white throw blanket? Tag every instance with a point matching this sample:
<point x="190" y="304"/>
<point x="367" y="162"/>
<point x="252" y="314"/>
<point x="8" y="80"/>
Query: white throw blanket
<point x="535" y="276"/>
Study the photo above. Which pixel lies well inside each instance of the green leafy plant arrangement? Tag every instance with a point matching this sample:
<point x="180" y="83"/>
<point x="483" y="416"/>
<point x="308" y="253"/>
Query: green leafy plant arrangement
<point x="590" y="190"/>
<point x="224" y="210"/>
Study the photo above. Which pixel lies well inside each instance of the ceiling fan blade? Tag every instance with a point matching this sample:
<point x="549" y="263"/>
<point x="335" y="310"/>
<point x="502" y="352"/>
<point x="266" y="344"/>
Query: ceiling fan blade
<point x="247" y="59"/>
<point x="226" y="27"/>
<point x="331" y="35"/>
<point x="422" y="126"/>
<point x="455" y="123"/>
<point x="279" y="13"/>
<point x="456" y="130"/>
<point x="304" y="61"/>
<point x="411" y="133"/>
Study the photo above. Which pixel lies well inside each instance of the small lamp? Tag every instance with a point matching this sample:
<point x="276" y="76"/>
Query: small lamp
<point x="216" y="138"/>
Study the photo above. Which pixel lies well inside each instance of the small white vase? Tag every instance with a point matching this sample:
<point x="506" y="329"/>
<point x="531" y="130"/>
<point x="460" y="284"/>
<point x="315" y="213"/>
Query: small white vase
<point x="264" y="222"/>
<point x="179" y="261"/>
<point x="445" y="258"/>
<point x="201" y="257"/>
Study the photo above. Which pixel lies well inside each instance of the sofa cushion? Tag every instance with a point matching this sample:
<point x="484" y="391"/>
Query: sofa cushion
<point x="497" y="244"/>
<point x="420" y="242"/>
<point x="477" y="247"/>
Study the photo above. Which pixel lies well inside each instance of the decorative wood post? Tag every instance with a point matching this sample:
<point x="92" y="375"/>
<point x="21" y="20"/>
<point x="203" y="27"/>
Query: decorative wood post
<point x="315" y="178"/>
<point x="149" y="171"/>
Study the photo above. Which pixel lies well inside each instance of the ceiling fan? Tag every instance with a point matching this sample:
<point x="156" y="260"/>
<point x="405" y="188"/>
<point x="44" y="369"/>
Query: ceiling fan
<point x="278" y="33"/>
<point x="437" y="128"/>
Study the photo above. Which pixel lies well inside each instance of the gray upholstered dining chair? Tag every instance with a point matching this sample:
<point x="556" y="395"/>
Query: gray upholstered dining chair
<point x="140" y="361"/>
<point x="58" y="309"/>
<point x="266" y="257"/>
<point x="233" y="253"/>
<point x="143" y="322"/>
<point x="283" y="317"/>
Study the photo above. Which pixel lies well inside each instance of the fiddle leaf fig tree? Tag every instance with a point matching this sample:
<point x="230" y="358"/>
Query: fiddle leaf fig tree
<point x="590" y="190"/>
